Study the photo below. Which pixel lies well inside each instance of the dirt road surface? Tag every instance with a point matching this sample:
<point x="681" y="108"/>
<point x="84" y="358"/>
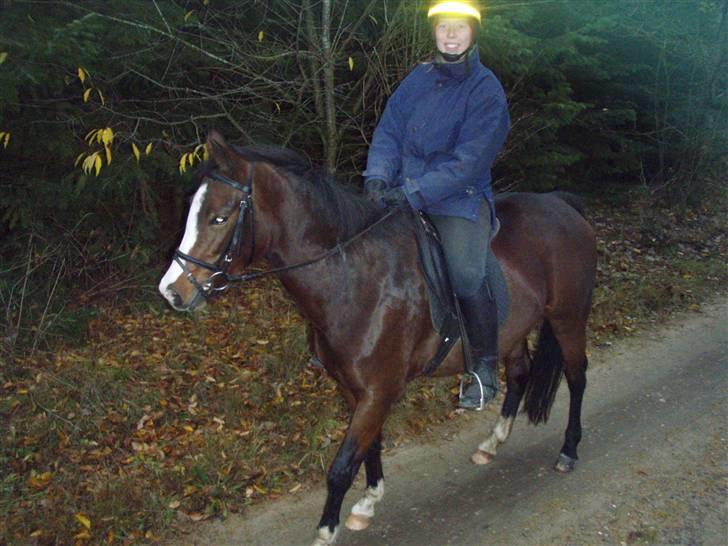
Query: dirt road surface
<point x="653" y="465"/>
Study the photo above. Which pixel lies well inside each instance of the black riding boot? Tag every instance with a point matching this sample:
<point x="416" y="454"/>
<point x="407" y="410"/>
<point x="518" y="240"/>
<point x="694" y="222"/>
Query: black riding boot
<point x="481" y="324"/>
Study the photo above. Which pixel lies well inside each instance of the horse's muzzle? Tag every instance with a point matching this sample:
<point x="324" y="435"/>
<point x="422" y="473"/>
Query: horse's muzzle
<point x="175" y="300"/>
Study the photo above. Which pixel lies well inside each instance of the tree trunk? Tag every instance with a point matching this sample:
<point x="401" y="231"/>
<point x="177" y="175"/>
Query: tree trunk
<point x="331" y="141"/>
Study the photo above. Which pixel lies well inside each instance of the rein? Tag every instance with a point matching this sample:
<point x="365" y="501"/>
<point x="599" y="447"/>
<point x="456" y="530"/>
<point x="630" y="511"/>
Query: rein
<point x="234" y="246"/>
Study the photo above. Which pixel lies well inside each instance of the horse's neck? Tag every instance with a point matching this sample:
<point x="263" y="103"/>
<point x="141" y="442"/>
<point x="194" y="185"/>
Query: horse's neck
<point x="332" y="289"/>
<point x="299" y="235"/>
<point x="324" y="291"/>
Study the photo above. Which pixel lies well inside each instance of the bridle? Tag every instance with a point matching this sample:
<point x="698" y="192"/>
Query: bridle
<point x="234" y="247"/>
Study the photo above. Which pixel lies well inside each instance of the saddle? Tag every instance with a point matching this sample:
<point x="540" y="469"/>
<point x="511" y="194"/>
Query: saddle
<point x="443" y="307"/>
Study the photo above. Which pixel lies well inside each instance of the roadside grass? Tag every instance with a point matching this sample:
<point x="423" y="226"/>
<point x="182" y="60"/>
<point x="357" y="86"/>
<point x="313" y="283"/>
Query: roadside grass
<point x="159" y="419"/>
<point x="653" y="262"/>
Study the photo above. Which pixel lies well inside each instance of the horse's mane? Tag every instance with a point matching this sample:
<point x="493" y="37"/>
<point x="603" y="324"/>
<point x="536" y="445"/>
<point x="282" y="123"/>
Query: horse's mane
<point x="336" y="206"/>
<point x="341" y="209"/>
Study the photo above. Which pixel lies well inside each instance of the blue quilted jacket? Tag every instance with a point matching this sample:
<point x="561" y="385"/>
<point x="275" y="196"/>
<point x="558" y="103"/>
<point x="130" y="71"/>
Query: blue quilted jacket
<point x="439" y="136"/>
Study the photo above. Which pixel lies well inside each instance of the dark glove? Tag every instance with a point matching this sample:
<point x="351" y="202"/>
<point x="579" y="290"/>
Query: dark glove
<point x="375" y="190"/>
<point x="394" y="198"/>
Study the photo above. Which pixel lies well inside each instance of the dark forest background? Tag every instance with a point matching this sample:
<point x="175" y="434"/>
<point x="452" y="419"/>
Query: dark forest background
<point x="104" y="104"/>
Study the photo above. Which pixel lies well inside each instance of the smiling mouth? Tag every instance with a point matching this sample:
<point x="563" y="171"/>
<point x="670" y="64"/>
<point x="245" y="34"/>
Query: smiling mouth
<point x="452" y="46"/>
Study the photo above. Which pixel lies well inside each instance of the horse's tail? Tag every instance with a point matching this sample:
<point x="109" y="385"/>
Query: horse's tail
<point x="573" y="200"/>
<point x="544" y="377"/>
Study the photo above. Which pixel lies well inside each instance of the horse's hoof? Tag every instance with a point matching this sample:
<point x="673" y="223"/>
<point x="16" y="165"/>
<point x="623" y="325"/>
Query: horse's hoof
<point x="564" y="464"/>
<point x="357" y="522"/>
<point x="481" y="457"/>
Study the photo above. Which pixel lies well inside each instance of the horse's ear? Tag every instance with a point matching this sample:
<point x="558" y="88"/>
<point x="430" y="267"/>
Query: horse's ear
<point x="221" y="152"/>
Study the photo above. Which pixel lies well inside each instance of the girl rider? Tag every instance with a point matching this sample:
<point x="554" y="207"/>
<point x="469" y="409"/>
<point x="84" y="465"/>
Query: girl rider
<point x="433" y="150"/>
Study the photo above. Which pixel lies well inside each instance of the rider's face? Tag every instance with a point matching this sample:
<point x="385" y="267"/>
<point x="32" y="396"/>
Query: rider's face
<point x="453" y="35"/>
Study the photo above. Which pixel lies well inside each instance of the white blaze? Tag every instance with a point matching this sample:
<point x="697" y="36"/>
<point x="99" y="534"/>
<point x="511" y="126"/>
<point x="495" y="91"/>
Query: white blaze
<point x="188" y="242"/>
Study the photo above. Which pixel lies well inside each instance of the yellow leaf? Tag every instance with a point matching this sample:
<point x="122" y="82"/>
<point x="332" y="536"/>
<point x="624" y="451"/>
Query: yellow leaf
<point x="199" y="148"/>
<point x="88" y="163"/>
<point x="183" y="163"/>
<point x="174" y="504"/>
<point x="80" y="156"/>
<point x="188" y="428"/>
<point x="82" y="74"/>
<point x="101" y="96"/>
<point x="91" y="134"/>
<point x="107" y="136"/>
<point x="108" y="155"/>
<point x="97" y="164"/>
<point x="3" y="56"/>
<point x="205" y="153"/>
<point x="6" y="140"/>
<point x="261" y="35"/>
<point x="87" y="94"/>
<point x="40" y="481"/>
<point x="148" y="149"/>
<point x="83" y="535"/>
<point x="37" y="533"/>
<point x="189" y="14"/>
<point x="135" y="151"/>
<point x="83" y="520"/>
<point x="278" y="107"/>
<point x="351" y="64"/>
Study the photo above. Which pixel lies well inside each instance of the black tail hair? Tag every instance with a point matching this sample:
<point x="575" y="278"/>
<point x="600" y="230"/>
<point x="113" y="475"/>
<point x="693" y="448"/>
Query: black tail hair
<point x="545" y="375"/>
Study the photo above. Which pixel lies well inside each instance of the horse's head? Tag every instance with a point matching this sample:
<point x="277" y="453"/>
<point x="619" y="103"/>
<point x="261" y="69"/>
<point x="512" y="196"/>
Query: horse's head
<point x="218" y="238"/>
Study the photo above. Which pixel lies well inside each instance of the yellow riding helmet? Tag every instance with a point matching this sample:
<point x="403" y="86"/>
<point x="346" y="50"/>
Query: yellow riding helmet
<point x="462" y="9"/>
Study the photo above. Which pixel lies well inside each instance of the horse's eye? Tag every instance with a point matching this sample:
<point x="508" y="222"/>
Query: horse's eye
<point x="219" y="220"/>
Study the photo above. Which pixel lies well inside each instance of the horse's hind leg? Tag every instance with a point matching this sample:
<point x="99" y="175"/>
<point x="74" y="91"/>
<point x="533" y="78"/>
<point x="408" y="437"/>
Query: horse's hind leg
<point x="572" y="338"/>
<point x="363" y="510"/>
<point x="516" y="378"/>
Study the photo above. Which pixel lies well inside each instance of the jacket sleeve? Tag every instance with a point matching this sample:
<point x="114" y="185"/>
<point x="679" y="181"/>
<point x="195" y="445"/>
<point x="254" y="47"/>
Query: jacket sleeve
<point x="384" y="159"/>
<point x="480" y="139"/>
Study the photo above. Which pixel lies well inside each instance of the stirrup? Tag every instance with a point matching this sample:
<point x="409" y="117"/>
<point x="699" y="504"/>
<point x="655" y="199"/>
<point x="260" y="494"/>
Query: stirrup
<point x="481" y="404"/>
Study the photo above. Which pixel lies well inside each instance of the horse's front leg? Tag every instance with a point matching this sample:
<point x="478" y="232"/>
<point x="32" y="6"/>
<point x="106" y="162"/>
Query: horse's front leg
<point x="364" y="431"/>
<point x="363" y="511"/>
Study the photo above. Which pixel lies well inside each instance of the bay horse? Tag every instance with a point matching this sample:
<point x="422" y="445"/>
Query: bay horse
<point x="365" y="298"/>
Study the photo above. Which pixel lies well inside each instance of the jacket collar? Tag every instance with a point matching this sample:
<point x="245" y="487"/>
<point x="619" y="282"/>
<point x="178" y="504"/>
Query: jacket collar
<point x="459" y="71"/>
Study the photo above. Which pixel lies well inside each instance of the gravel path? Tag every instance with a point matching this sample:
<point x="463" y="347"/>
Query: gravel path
<point x="652" y="470"/>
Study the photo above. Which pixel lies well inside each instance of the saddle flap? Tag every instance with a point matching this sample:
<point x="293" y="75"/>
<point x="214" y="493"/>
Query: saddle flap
<point x="443" y="310"/>
<point x="434" y="268"/>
